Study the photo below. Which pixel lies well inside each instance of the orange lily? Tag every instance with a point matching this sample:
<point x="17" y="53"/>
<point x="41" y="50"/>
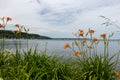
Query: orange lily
<point x="103" y="35"/>
<point x="67" y="45"/>
<point x="17" y="25"/>
<point x="81" y="32"/>
<point x="91" y="31"/>
<point x="77" y="53"/>
<point x="95" y="39"/>
<point x="83" y="41"/>
<point x="9" y="19"/>
<point x="1" y="26"/>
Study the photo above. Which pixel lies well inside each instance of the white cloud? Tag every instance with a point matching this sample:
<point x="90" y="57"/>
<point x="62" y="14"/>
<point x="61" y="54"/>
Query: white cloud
<point x="67" y="11"/>
<point x="61" y="17"/>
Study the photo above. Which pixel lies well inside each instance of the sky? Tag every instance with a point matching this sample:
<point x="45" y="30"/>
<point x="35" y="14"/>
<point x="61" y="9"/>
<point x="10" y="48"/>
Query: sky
<point x="62" y="18"/>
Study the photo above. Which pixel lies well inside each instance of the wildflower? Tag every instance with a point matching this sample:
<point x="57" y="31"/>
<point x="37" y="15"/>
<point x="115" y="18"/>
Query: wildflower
<point x="17" y="25"/>
<point x="89" y="47"/>
<point x="117" y="74"/>
<point x="95" y="40"/>
<point x="67" y="45"/>
<point x="1" y="26"/>
<point x="81" y="32"/>
<point x="77" y="53"/>
<point x="83" y="41"/>
<point x="9" y="19"/>
<point x="91" y="31"/>
<point x="103" y="35"/>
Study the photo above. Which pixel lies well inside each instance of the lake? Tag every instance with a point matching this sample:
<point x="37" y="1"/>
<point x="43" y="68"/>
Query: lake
<point x="56" y="46"/>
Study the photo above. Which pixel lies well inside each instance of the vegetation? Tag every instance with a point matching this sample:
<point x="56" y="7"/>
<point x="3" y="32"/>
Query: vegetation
<point x="89" y="65"/>
<point x="11" y="35"/>
<point x="33" y="65"/>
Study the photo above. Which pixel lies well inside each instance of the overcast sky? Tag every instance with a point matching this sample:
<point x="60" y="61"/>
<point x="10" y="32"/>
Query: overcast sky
<point x="60" y="18"/>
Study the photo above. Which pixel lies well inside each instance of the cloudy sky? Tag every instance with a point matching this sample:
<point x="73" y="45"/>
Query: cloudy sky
<point x="60" y="18"/>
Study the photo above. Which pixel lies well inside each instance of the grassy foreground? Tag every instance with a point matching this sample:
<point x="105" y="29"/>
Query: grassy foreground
<point x="40" y="66"/>
<point x="33" y="66"/>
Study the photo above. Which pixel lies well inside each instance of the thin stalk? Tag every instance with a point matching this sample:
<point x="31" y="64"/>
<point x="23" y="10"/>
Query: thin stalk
<point x="104" y="49"/>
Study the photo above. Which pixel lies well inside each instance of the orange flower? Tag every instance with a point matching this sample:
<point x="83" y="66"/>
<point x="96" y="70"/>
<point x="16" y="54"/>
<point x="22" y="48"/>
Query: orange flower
<point x="117" y="74"/>
<point x="81" y="31"/>
<point x="9" y="19"/>
<point x="81" y="34"/>
<point x="103" y="35"/>
<point x="83" y="41"/>
<point x="91" y="31"/>
<point x="67" y="45"/>
<point x="77" y="53"/>
<point x="17" y="25"/>
<point x="95" y="39"/>
<point x="1" y="26"/>
<point x="89" y="47"/>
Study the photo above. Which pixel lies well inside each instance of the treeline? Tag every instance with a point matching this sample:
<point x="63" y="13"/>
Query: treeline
<point x="11" y="35"/>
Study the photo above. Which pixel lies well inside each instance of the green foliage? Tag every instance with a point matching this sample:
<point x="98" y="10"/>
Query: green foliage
<point x="95" y="68"/>
<point x="33" y="66"/>
<point x="10" y="35"/>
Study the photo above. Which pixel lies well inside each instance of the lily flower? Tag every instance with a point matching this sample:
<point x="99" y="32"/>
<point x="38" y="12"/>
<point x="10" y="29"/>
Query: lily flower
<point x="67" y="45"/>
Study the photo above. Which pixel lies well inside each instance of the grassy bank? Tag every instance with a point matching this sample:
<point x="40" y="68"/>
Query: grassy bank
<point x="33" y="65"/>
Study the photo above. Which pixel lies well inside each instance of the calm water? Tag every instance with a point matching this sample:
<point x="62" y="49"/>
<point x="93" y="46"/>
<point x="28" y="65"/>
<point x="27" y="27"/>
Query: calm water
<point x="56" y="46"/>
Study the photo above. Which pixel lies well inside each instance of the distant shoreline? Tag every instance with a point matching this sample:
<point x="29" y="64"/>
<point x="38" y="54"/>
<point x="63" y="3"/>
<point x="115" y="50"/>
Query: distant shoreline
<point x="60" y="39"/>
<point x="81" y="39"/>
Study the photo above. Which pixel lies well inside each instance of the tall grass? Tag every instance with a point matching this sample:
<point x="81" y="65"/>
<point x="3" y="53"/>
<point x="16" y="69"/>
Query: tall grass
<point x="33" y="66"/>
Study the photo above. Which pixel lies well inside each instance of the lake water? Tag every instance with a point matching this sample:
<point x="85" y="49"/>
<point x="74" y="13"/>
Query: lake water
<point x="56" y="46"/>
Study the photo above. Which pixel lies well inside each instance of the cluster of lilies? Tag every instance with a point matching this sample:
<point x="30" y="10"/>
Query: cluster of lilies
<point x="5" y="20"/>
<point x="82" y="44"/>
<point x="83" y="47"/>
